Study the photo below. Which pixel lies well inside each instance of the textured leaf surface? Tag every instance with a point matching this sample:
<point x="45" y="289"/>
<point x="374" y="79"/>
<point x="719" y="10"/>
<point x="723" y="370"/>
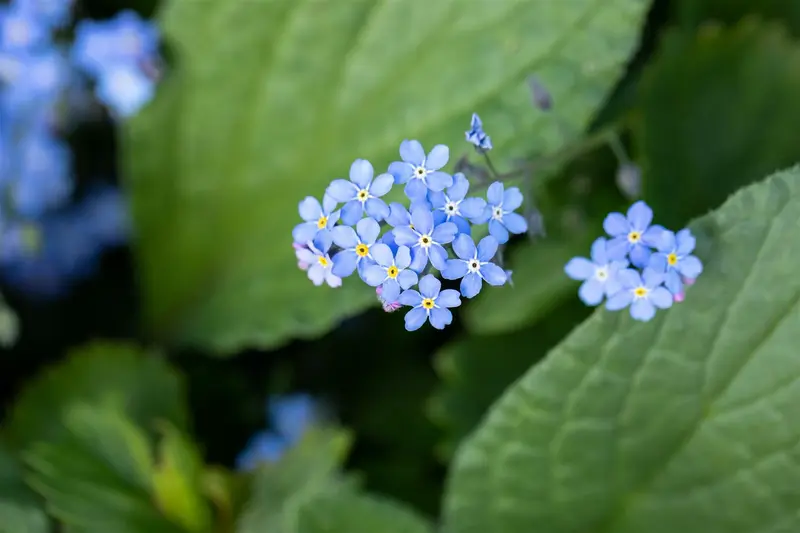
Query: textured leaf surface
<point x="711" y="140"/>
<point x="20" y="509"/>
<point x="685" y="423"/>
<point x="272" y="99"/>
<point x="349" y="512"/>
<point x="147" y="387"/>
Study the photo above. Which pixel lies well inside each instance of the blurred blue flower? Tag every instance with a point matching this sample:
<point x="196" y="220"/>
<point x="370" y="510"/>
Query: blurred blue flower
<point x="499" y="212"/>
<point x="452" y="205"/>
<point x="675" y="260"/>
<point x="420" y="172"/>
<point x="356" y="246"/>
<point x="642" y="292"/>
<point x="21" y="29"/>
<point x="124" y="90"/>
<point x="474" y="265"/>
<point x="599" y="275"/>
<point x="425" y="239"/>
<point x="391" y="272"/>
<point x="632" y="234"/>
<point x="125" y="40"/>
<point x="53" y="13"/>
<point x="429" y="304"/>
<point x="477" y="136"/>
<point x="41" y="170"/>
<point x="316" y="255"/>
<point x="317" y="218"/>
<point x="361" y="194"/>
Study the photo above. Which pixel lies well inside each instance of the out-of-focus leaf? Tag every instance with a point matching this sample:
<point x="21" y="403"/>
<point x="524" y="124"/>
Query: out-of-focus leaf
<point x="271" y="99"/>
<point x="692" y="13"/>
<point x="718" y="111"/>
<point x="21" y="511"/>
<point x="350" y="512"/>
<point x="684" y="423"/>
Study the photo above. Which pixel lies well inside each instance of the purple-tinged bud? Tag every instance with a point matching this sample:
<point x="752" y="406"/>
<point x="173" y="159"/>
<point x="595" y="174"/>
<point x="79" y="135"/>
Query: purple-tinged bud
<point x="541" y="96"/>
<point x="629" y="180"/>
<point x="679" y="297"/>
<point x="508" y="277"/>
<point x="689" y="281"/>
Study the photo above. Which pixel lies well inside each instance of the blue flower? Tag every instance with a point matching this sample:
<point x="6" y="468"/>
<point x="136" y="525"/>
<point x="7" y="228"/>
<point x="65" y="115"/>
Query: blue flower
<point x="35" y="82"/>
<point x="477" y="136"/>
<point x="451" y="205"/>
<point x="473" y="266"/>
<point x="53" y="13"/>
<point x="426" y="240"/>
<point x="419" y="172"/>
<point x="20" y="30"/>
<point x="362" y="193"/>
<point x="356" y="245"/>
<point x="124" y="90"/>
<point x="499" y="212"/>
<point x="675" y="260"/>
<point x="316" y="255"/>
<point x="391" y="272"/>
<point x="400" y="216"/>
<point x="317" y="218"/>
<point x="42" y="169"/>
<point x="642" y="292"/>
<point x="599" y="275"/>
<point x="633" y="234"/>
<point x="429" y="304"/>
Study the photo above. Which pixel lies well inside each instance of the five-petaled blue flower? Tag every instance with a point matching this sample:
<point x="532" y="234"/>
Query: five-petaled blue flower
<point x="675" y="260"/>
<point x="356" y="245"/>
<point x="317" y="218"/>
<point x="473" y="266"/>
<point x="642" y="292"/>
<point x="499" y="212"/>
<point x="391" y="271"/>
<point x="477" y="136"/>
<point x="426" y="240"/>
<point x="633" y="234"/>
<point x="452" y="205"/>
<point x="419" y="172"/>
<point x="429" y="304"/>
<point x="599" y="275"/>
<point x="362" y="193"/>
<point x="316" y="255"/>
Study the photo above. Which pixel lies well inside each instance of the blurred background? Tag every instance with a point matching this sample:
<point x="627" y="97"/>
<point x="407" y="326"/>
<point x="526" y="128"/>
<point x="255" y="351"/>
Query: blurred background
<point x="707" y="100"/>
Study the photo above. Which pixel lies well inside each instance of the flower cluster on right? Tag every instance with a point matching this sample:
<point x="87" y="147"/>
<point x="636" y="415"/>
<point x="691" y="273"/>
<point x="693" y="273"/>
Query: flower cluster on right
<point x="641" y="266"/>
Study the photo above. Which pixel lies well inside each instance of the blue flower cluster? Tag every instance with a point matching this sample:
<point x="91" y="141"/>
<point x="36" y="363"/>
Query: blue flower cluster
<point x="46" y="240"/>
<point x="290" y="416"/>
<point x="642" y="266"/>
<point x="393" y="247"/>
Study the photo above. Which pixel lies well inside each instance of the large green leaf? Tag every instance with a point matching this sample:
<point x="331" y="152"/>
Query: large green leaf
<point x="271" y="99"/>
<point x="731" y="117"/>
<point x="20" y="509"/>
<point x="350" y="512"/>
<point x="143" y="382"/>
<point x="685" y="423"/>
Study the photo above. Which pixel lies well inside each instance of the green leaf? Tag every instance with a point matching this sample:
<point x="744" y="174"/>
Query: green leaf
<point x="21" y="511"/>
<point x="219" y="161"/>
<point x="684" y="423"/>
<point x="149" y="389"/>
<point x="98" y="475"/>
<point x="692" y="13"/>
<point x="347" y="512"/>
<point x="710" y="140"/>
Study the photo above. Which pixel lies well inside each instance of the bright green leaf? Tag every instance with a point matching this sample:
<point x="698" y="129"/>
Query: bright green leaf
<point x="348" y="512"/>
<point x="685" y="423"/>
<point x="20" y="509"/>
<point x="710" y="140"/>
<point x="147" y="387"/>
<point x="271" y="99"/>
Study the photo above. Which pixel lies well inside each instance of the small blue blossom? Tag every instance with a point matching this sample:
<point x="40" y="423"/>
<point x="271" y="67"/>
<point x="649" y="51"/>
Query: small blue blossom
<point x="124" y="90"/>
<point x="316" y="255"/>
<point x="21" y="30"/>
<point x="53" y="13"/>
<point x="125" y="40"/>
<point x="477" y="136"/>
<point x="642" y="292"/>
<point x="452" y="205"/>
<point x="633" y="234"/>
<point x="391" y="272"/>
<point x="675" y="260"/>
<point x="599" y="275"/>
<point x="426" y="240"/>
<point x="356" y="246"/>
<point x="362" y="194"/>
<point x="42" y="169"/>
<point x="317" y="218"/>
<point x="400" y="216"/>
<point x="429" y="304"/>
<point x="473" y="265"/>
<point x="499" y="212"/>
<point x="420" y="172"/>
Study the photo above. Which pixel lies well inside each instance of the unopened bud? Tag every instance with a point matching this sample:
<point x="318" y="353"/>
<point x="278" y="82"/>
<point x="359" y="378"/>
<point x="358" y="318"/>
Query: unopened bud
<point x="541" y="96"/>
<point x="629" y="180"/>
<point x="509" y="280"/>
<point x="679" y="297"/>
<point x="689" y="281"/>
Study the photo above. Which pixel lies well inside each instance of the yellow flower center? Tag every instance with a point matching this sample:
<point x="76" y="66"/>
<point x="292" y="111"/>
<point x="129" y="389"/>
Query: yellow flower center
<point x="427" y="303"/>
<point x="425" y="240"/>
<point x="640" y="292"/>
<point x="322" y="260"/>
<point x="672" y="259"/>
<point x="392" y="272"/>
<point x="363" y="194"/>
<point x="634" y="237"/>
<point x="411" y="226"/>
<point x="322" y="222"/>
<point x="362" y="250"/>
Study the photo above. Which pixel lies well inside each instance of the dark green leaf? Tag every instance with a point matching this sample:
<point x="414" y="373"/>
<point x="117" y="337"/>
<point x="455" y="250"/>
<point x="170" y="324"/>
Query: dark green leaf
<point x="21" y="511"/>
<point x="348" y="512"/>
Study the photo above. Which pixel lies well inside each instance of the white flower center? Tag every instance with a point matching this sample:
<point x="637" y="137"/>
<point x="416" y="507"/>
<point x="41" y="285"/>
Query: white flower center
<point x="451" y="208"/>
<point x="497" y="213"/>
<point x="425" y="241"/>
<point x="601" y="273"/>
<point x="17" y="32"/>
<point x="473" y="266"/>
<point x="362" y="195"/>
<point x="420" y="173"/>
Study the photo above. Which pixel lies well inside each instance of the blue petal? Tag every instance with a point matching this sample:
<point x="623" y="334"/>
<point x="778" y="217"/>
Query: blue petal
<point x="388" y="240"/>
<point x="640" y="255"/>
<point x="495" y="193"/>
<point x="412" y="152"/>
<point x="472" y="207"/>
<point x="591" y="291"/>
<point x="484" y="217"/>
<point x="673" y="282"/>
<point x="599" y="255"/>
<point x="444" y="233"/>
<point x="652" y="278"/>
<point x="448" y="298"/>
<point x="438" y="157"/>
<point x="405" y="236"/>
<point x="429" y="286"/>
<point x="438" y="181"/>
<point x="441" y="317"/>
<point x="515" y="223"/>
<point x="616" y="225"/>
<point x="493" y="274"/>
<point x="368" y="230"/>
<point x="382" y="255"/>
<point x="661" y="298"/>
<point x="658" y="262"/>
<point x="342" y="190"/>
<point x="323" y="241"/>
<point x="344" y="237"/>
<point x="455" y="269"/>
<point x="264" y="446"/>
<point x="310" y="210"/>
<point x="292" y="414"/>
<point x="665" y="242"/>
<point x="374" y="275"/>
<point x="352" y="212"/>
<point x="381" y="185"/>
<point x="464" y="247"/>
<point x="437" y="199"/>
<point x="498" y="231"/>
<point x="640" y="216"/>
<point x="471" y="285"/>
<point x="458" y="190"/>
<point x="410" y="297"/>
<point x="617" y="248"/>
<point x="690" y="266"/>
<point x="579" y="268"/>
<point x="462" y="225"/>
<point x="512" y="199"/>
<point x="415" y="318"/>
<point x="487" y="248"/>
<point x="361" y="173"/>
<point x="423" y="220"/>
<point x="653" y="235"/>
<point x="376" y="208"/>
<point x="620" y="300"/>
<point x="304" y="232"/>
<point x="328" y="204"/>
<point x="419" y="259"/>
<point x="642" y="310"/>
<point x="391" y="291"/>
<point x="400" y="171"/>
<point x="403" y="257"/>
<point x="416" y="189"/>
<point x="439" y="217"/>
<point x="407" y="278"/>
<point x="685" y="242"/>
<point x="398" y="215"/>
<point x="438" y="256"/>
<point x="344" y="263"/>
<point x="630" y="278"/>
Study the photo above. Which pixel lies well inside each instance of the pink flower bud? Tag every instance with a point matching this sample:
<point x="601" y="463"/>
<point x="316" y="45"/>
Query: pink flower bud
<point x="689" y="281"/>
<point x="679" y="297"/>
